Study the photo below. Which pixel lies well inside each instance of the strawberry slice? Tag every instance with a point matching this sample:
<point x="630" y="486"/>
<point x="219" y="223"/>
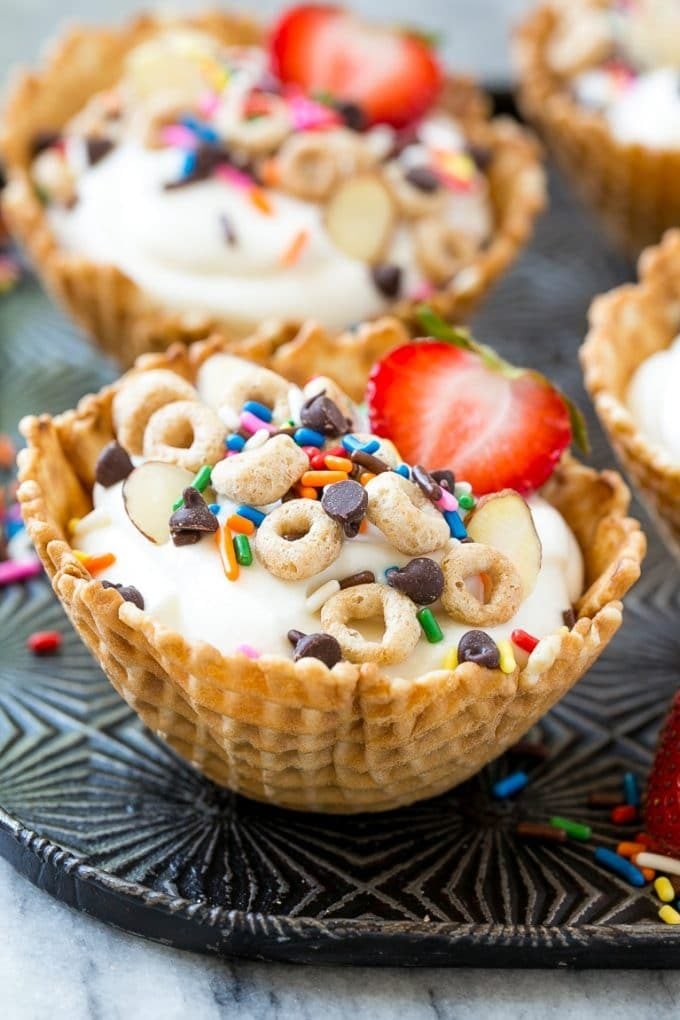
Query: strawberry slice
<point x="392" y="76"/>
<point x="464" y="408"/>
<point x="662" y="810"/>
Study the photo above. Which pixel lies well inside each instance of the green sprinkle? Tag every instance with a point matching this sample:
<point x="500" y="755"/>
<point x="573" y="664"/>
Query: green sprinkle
<point x="577" y="830"/>
<point x="431" y="628"/>
<point x="466" y="501"/>
<point x="200" y="482"/>
<point x="244" y="554"/>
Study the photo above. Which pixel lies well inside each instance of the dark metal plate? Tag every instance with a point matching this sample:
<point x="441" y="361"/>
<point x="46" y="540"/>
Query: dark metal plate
<point x="100" y="814"/>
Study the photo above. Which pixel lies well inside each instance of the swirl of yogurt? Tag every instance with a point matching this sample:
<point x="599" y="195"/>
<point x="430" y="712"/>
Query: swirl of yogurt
<point x="652" y="399"/>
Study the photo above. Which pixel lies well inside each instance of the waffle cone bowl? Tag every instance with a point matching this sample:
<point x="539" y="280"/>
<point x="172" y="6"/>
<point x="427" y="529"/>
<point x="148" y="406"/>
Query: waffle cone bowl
<point x="297" y="734"/>
<point x="634" y="189"/>
<point x="627" y="326"/>
<point x="109" y="306"/>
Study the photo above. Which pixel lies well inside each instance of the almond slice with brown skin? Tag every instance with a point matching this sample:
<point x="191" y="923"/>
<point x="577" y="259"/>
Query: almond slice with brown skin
<point x="148" y="494"/>
<point x="360" y="217"/>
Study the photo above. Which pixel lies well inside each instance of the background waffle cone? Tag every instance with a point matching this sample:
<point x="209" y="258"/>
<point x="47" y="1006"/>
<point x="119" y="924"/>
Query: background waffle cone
<point x="627" y="326"/>
<point x="634" y="189"/>
<point x="297" y="734"/>
<point x="108" y="306"/>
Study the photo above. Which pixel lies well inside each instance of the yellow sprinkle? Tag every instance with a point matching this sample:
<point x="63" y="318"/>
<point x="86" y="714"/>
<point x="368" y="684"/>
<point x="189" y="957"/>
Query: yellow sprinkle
<point x="450" y="659"/>
<point x="73" y="524"/>
<point x="664" y="890"/>
<point x="669" y="915"/>
<point x="80" y="555"/>
<point x="508" y="664"/>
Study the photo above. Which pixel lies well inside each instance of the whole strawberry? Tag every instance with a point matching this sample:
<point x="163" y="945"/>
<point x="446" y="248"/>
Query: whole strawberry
<point x="662" y="811"/>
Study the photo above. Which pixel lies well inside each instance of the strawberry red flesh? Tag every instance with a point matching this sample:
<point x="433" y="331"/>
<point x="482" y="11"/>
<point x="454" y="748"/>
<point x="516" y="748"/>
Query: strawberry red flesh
<point x="662" y="810"/>
<point x="444" y="408"/>
<point x="392" y="76"/>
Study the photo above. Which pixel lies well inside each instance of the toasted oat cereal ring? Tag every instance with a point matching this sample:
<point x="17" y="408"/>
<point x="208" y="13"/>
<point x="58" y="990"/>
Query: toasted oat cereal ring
<point x="364" y="602"/>
<point x="298" y="540"/>
<point x="186" y="433"/>
<point x="228" y="382"/>
<point x="307" y="166"/>
<point x="466" y="560"/>
<point x="324" y="384"/>
<point x="261" y="475"/>
<point x="139" y="397"/>
<point x="404" y="515"/>
<point x="413" y="202"/>
<point x="262" y="135"/>
<point x="440" y="249"/>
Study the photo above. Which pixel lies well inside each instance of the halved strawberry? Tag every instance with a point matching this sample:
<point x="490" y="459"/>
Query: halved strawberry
<point x="662" y="810"/>
<point x="393" y="76"/>
<point x="446" y="406"/>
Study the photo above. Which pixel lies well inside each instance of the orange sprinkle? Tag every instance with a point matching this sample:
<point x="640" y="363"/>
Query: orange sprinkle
<point x="95" y="564"/>
<point x="227" y="554"/>
<point x="628" y="849"/>
<point x="366" y="477"/>
<point x="269" y="172"/>
<point x="649" y="873"/>
<point x="241" y="525"/>
<point x="338" y="463"/>
<point x="294" y="250"/>
<point x="317" y="479"/>
<point x="306" y="491"/>
<point x="260" y="201"/>
<point x="363" y="527"/>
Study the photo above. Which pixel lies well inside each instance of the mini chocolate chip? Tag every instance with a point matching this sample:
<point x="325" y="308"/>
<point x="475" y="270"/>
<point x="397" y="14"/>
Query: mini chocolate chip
<point x="481" y="156"/>
<point x="42" y="140"/>
<point x="322" y="414"/>
<point x="228" y="232"/>
<point x="191" y="521"/>
<point x="346" y="503"/>
<point x="426" y="482"/>
<point x="285" y="430"/>
<point x="421" y="579"/>
<point x="363" y="577"/>
<point x="366" y="460"/>
<point x="113" y="465"/>
<point x="128" y="592"/>
<point x="477" y="646"/>
<point x="569" y="617"/>
<point x="97" y="148"/>
<point x="422" y="178"/>
<point x="387" y="279"/>
<point x="445" y="478"/>
<point x="294" y="636"/>
<point x="209" y="155"/>
<point x="352" y="115"/>
<point x="318" y="646"/>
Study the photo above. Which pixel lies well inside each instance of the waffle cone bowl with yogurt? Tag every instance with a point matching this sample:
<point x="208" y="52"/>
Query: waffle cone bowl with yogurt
<point x="599" y="80"/>
<point x="174" y="178"/>
<point x="306" y="617"/>
<point x="631" y="367"/>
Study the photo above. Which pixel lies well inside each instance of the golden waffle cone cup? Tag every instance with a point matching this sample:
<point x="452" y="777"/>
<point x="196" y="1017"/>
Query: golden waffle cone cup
<point x="634" y="189"/>
<point x="108" y="305"/>
<point x="627" y="326"/>
<point x="297" y="734"/>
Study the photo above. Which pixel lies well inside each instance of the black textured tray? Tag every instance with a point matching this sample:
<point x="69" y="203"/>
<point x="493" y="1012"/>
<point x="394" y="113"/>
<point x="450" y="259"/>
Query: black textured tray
<point x="103" y="816"/>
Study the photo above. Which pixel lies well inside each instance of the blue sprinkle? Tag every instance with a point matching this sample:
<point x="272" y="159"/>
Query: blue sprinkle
<point x="258" y="409"/>
<point x="351" y="443"/>
<point x="456" y="526"/>
<point x="619" y="865"/>
<point x="214" y="508"/>
<point x="249" y="512"/>
<point x="631" y="789"/>
<point x="403" y="470"/>
<point x="13" y="528"/>
<point x="189" y="163"/>
<point x="235" y="442"/>
<point x="308" y="437"/>
<point x="390" y="570"/>
<point x="509" y="786"/>
<point x="201" y="130"/>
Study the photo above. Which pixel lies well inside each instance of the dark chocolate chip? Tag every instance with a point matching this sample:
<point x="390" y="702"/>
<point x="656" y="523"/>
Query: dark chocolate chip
<point x="97" y="148"/>
<point x="445" y="478"/>
<point x="477" y="646"/>
<point x="481" y="156"/>
<point x="228" y="232"/>
<point x="387" y="279"/>
<point x="352" y="115"/>
<point x="294" y="636"/>
<point x="402" y="139"/>
<point x="323" y="415"/>
<point x="346" y="503"/>
<point x="113" y="465"/>
<point x="569" y="617"/>
<point x="128" y="592"/>
<point x="366" y="460"/>
<point x="421" y="579"/>
<point x="192" y="520"/>
<point x="422" y="178"/>
<point x="363" y="577"/>
<point x="318" y="646"/>
<point x="426" y="482"/>
<point x="42" y="140"/>
<point x="209" y="155"/>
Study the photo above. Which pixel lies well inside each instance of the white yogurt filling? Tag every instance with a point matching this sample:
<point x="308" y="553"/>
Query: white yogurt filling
<point x="645" y="110"/>
<point x="652" y="399"/>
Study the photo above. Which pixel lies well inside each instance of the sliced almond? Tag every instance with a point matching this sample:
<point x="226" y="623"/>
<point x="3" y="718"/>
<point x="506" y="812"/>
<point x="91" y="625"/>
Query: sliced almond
<point x="503" y="520"/>
<point x="360" y="217"/>
<point x="149" y="493"/>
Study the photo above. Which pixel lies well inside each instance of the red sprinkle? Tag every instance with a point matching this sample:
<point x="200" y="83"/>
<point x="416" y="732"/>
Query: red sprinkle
<point x="523" y="640"/>
<point x="647" y="841"/>
<point x="311" y="451"/>
<point x="44" y="642"/>
<point x="624" y="813"/>
<point x="336" y="451"/>
<point x="318" y="462"/>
